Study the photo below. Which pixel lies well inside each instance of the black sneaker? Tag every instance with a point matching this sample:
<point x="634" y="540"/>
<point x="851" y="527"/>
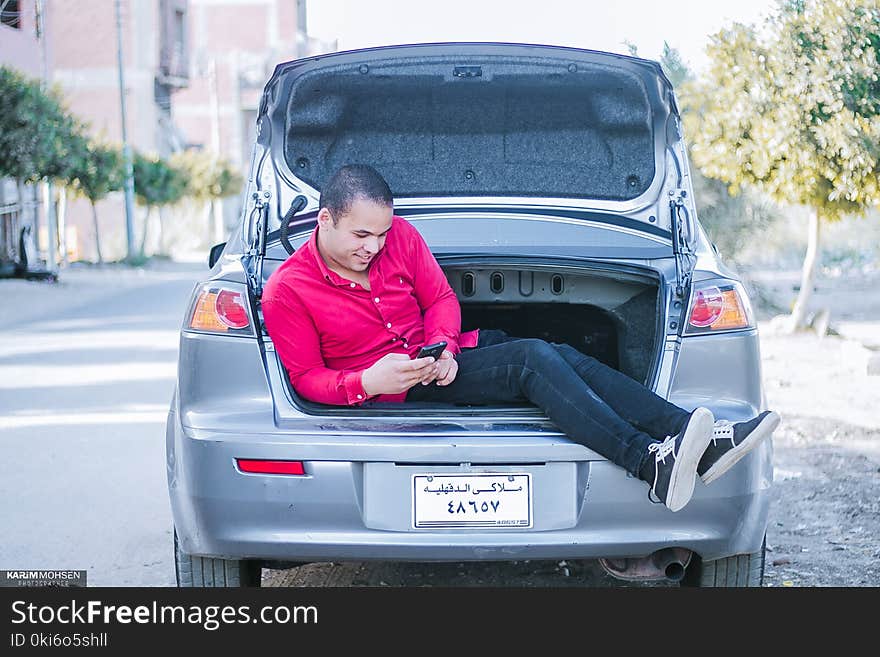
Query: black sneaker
<point x="676" y="459"/>
<point x="730" y="442"/>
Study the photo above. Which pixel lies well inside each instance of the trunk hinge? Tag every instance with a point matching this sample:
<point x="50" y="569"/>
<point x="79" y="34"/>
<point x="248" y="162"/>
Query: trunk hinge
<point x="257" y="252"/>
<point x="680" y="246"/>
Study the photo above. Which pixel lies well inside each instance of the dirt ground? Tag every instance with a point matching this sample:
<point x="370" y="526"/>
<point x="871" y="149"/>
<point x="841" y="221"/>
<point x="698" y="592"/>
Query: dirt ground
<point x="824" y="527"/>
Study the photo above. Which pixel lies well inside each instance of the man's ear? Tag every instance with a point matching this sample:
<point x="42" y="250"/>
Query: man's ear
<point x="324" y="217"/>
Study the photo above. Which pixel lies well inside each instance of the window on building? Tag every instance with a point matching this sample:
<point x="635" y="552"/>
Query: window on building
<point x="10" y="13"/>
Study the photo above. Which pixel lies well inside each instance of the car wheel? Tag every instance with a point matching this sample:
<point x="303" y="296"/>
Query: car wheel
<point x="741" y="570"/>
<point x="193" y="571"/>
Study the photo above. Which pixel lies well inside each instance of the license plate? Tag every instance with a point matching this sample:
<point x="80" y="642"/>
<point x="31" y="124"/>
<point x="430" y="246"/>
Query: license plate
<point x="472" y="500"/>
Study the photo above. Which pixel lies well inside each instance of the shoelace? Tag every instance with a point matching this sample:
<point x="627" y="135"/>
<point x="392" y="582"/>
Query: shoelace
<point x="723" y="430"/>
<point x="662" y="450"/>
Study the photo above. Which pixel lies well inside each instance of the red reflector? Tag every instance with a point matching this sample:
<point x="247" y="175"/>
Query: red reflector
<point x="230" y="309"/>
<point x="271" y="467"/>
<point x="707" y="307"/>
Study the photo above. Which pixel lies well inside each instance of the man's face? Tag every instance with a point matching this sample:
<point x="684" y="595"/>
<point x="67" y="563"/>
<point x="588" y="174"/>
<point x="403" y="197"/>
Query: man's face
<point x="350" y="246"/>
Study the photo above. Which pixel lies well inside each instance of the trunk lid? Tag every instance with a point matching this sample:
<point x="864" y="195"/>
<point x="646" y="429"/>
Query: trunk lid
<point x="483" y="120"/>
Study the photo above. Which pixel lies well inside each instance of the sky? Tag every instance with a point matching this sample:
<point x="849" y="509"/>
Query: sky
<point x="606" y="25"/>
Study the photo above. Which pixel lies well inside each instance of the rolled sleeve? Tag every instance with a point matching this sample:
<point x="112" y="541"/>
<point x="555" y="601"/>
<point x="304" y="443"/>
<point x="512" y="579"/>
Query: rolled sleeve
<point x="297" y="343"/>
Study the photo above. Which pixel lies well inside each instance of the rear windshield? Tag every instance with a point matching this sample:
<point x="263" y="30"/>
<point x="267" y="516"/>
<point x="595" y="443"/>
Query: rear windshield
<point x="503" y="128"/>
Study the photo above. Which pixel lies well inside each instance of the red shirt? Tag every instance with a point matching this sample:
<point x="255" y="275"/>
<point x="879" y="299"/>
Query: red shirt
<point x="327" y="329"/>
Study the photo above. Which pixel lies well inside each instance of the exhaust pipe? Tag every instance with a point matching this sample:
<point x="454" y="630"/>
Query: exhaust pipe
<point x="668" y="564"/>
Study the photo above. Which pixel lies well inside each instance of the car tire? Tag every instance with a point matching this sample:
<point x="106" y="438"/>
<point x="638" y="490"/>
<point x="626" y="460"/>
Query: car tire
<point x="193" y="571"/>
<point x="741" y="570"/>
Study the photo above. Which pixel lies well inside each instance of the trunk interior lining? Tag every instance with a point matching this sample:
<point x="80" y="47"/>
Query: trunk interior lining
<point x="611" y="317"/>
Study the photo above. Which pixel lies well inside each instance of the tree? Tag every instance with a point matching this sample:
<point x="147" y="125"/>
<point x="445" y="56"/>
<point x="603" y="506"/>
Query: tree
<point x="36" y="132"/>
<point x="795" y="112"/>
<point x="730" y="221"/>
<point x="97" y="171"/>
<point x="210" y="179"/>
<point x="156" y="183"/>
<point x="38" y="137"/>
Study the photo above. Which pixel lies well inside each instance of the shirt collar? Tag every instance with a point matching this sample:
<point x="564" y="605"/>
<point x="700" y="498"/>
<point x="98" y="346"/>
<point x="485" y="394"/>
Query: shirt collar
<point x="327" y="273"/>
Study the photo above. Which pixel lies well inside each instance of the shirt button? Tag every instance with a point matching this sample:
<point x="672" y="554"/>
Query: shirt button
<point x="360" y="396"/>
<point x="393" y="339"/>
<point x="406" y="345"/>
<point x="388" y="325"/>
<point x="353" y="284"/>
<point x="376" y="299"/>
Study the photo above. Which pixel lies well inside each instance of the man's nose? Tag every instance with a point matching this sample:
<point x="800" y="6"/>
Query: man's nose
<point x="371" y="245"/>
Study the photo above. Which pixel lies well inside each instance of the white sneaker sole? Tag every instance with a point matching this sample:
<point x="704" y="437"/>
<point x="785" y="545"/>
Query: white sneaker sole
<point x="697" y="437"/>
<point x="759" y="433"/>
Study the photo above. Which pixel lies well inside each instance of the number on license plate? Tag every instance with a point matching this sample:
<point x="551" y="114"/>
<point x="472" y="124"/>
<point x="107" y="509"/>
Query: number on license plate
<point x="499" y="499"/>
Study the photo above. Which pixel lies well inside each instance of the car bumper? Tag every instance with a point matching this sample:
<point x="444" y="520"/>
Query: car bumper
<point x="361" y="510"/>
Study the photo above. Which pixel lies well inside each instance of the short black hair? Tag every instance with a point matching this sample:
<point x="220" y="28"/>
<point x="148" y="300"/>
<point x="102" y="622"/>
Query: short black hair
<point x="353" y="182"/>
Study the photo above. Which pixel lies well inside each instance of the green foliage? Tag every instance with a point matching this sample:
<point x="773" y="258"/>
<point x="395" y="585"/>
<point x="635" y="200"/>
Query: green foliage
<point x="97" y="170"/>
<point x="731" y="222"/>
<point x="156" y="182"/>
<point x="795" y="112"/>
<point x="674" y="66"/>
<point x="209" y="178"/>
<point x="38" y="137"/>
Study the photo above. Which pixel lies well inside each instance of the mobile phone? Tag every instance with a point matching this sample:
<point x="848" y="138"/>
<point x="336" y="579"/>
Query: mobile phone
<point x="433" y="350"/>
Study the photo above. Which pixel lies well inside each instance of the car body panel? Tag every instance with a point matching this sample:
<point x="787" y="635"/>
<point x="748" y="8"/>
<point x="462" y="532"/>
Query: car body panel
<point x="330" y="513"/>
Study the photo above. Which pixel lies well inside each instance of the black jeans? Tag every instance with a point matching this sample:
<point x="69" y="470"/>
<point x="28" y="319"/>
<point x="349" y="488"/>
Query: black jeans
<point x="593" y="404"/>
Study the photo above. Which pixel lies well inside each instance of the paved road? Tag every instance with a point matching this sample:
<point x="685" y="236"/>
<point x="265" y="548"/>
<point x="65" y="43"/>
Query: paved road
<point x="87" y="371"/>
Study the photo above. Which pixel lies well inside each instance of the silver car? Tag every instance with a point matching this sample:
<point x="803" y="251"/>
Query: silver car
<point x="552" y="185"/>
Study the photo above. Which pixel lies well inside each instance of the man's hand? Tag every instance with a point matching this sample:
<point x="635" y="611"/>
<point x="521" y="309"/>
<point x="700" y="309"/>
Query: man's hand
<point x="447" y="368"/>
<point x="396" y="373"/>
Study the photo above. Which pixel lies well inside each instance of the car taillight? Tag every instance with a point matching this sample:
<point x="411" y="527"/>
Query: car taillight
<point x="231" y="310"/>
<point x="221" y="310"/>
<point x="718" y="307"/>
<point x="254" y="466"/>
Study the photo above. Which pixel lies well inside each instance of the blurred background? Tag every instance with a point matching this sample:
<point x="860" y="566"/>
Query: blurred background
<point x="192" y="74"/>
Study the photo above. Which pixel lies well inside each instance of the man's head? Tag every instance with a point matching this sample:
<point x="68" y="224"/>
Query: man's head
<point x="356" y="210"/>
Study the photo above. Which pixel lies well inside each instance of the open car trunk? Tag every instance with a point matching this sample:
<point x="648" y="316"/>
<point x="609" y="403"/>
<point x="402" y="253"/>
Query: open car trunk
<point x="447" y="120"/>
<point x="612" y="314"/>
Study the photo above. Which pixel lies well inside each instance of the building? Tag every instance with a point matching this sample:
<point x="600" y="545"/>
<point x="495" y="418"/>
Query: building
<point x="234" y="47"/>
<point x="74" y="46"/>
<point x="194" y="71"/>
<point x="156" y="66"/>
<point x="19" y="43"/>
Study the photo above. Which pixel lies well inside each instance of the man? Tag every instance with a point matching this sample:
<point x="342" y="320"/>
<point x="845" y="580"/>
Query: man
<point x="348" y="311"/>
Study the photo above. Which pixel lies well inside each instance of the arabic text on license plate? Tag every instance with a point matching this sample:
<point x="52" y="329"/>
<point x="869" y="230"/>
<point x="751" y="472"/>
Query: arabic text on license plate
<point x="472" y="500"/>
